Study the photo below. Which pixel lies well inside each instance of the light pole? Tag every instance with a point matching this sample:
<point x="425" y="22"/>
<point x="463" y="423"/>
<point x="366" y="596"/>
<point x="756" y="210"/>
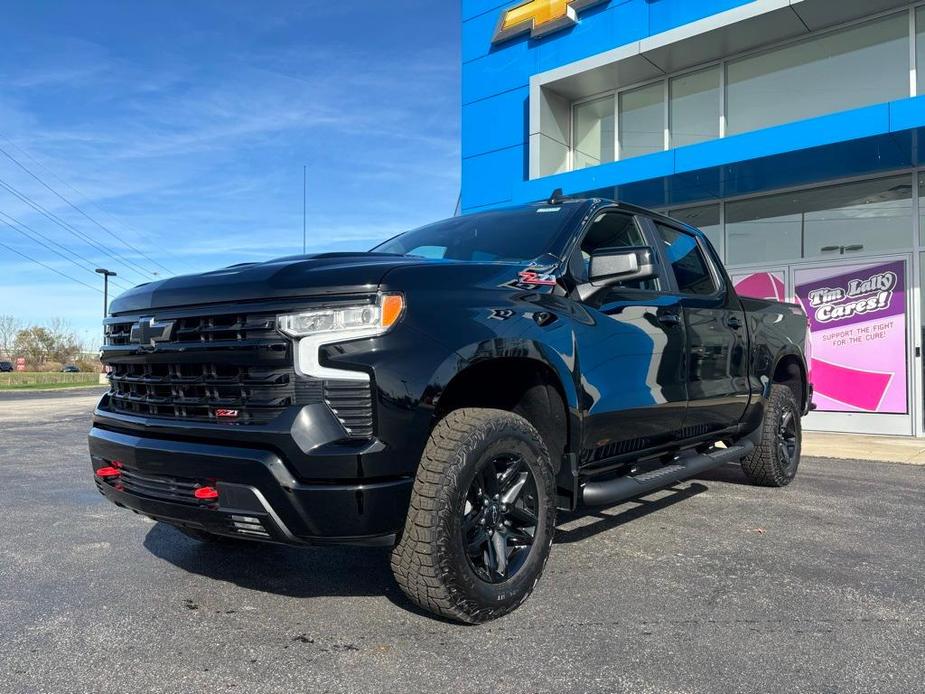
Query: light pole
<point x="106" y="275"/>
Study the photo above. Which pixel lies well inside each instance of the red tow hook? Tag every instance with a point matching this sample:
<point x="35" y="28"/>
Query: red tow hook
<point x="108" y="473"/>
<point x="206" y="494"/>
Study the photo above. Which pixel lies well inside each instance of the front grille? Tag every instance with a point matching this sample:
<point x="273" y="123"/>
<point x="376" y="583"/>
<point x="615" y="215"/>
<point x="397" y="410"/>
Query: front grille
<point x="209" y="391"/>
<point x="203" y="329"/>
<point x="228" y="368"/>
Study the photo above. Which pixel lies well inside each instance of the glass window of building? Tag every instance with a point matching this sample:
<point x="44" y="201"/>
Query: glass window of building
<point x="922" y="211"/>
<point x="854" y="218"/>
<point x="920" y="49"/>
<point x="594" y="133"/>
<point x="642" y="121"/>
<point x="707" y="219"/>
<point x="695" y="104"/>
<point x="859" y="66"/>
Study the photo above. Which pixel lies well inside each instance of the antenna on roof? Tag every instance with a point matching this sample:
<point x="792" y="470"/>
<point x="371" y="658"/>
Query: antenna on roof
<point x="556" y="197"/>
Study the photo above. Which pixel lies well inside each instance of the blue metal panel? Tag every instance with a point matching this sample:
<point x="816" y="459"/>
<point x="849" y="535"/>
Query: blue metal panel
<point x="491" y="177"/>
<point x="492" y="71"/>
<point x="496" y="73"/>
<point x="473" y="8"/>
<point x="907" y="114"/>
<point x="495" y="121"/>
<point x="848" y="125"/>
<point x="655" y="165"/>
<point x="484" y="131"/>
<point x="601" y="29"/>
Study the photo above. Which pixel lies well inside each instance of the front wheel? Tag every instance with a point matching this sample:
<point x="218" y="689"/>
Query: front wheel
<point x="481" y="520"/>
<point x="776" y="457"/>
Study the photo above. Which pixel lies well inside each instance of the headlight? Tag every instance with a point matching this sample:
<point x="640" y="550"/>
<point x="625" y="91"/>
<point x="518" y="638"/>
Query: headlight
<point x="345" y="322"/>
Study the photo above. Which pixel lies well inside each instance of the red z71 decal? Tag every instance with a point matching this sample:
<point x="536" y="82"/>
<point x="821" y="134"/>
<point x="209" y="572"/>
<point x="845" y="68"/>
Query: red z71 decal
<point x="535" y="278"/>
<point x="226" y="414"/>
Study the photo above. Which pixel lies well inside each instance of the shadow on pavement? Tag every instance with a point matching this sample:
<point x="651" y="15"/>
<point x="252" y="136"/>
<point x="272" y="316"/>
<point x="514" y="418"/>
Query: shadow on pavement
<point x="291" y="571"/>
<point x="356" y="571"/>
<point x="638" y="508"/>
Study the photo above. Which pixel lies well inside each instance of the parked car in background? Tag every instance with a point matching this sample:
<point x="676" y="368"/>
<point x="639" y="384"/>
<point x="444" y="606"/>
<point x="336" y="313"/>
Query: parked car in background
<point x="6" y="367"/>
<point x="70" y="369"/>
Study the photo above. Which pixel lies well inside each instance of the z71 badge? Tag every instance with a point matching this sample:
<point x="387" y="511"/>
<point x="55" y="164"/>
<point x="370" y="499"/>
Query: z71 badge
<point x="532" y="278"/>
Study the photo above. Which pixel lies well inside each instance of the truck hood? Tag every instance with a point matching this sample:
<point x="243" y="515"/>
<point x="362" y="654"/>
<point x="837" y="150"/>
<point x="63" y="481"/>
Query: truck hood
<point x="294" y="277"/>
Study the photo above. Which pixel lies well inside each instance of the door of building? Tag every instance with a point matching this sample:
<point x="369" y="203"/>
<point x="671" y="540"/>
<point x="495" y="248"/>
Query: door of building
<point x="861" y="337"/>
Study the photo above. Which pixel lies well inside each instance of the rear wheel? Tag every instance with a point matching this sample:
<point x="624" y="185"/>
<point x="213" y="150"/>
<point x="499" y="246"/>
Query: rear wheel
<point x="481" y="520"/>
<point x="775" y="460"/>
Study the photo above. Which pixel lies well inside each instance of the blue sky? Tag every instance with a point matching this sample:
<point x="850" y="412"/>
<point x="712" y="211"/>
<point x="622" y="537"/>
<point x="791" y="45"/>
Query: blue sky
<point x="182" y="128"/>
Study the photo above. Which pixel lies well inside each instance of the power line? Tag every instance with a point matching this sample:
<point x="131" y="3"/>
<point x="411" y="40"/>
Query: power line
<point x="88" y="201"/>
<point x="134" y="267"/>
<point x="44" y="241"/>
<point x="81" y="212"/>
<point x="49" y="267"/>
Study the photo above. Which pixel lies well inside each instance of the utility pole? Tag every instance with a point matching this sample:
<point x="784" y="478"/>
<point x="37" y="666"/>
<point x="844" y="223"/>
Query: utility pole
<point x="106" y="275"/>
<point x="304" y="209"/>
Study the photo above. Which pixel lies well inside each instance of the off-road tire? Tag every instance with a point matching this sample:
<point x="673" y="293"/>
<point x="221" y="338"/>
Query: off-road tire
<point x="429" y="562"/>
<point x="767" y="465"/>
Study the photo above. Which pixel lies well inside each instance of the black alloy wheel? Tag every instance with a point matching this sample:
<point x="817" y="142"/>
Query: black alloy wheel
<point x="499" y="518"/>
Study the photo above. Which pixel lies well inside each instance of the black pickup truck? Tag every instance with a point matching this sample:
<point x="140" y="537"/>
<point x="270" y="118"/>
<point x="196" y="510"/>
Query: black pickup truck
<point x="445" y="393"/>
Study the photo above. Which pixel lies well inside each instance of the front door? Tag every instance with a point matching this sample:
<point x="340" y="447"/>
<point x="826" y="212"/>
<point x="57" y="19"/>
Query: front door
<point x="717" y="337"/>
<point x="631" y="350"/>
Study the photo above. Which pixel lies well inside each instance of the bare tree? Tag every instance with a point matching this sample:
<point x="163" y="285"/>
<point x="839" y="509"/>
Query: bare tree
<point x="9" y="329"/>
<point x="51" y="345"/>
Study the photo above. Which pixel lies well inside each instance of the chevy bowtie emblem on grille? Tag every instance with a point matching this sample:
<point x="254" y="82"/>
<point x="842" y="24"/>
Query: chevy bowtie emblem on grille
<point x="148" y="332"/>
<point x="540" y="17"/>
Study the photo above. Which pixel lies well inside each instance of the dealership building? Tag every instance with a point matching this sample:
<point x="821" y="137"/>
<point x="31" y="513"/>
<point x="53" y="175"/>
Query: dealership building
<point x="789" y="131"/>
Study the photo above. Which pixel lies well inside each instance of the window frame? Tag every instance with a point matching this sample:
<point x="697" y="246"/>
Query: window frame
<point x="574" y="258"/>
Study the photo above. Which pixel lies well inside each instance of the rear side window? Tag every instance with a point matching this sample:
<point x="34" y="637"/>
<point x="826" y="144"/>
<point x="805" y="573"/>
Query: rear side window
<point x="687" y="261"/>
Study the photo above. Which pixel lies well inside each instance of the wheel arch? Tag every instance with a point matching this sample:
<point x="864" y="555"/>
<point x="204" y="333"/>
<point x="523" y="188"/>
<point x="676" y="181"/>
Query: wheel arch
<point x="524" y="381"/>
<point x="790" y="370"/>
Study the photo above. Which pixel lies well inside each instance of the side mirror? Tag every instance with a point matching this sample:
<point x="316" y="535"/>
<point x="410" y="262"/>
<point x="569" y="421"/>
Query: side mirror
<point x="611" y="266"/>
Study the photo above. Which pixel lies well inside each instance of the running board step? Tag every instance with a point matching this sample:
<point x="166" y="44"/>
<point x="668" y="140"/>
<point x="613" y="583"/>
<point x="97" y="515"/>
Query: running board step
<point x="623" y="488"/>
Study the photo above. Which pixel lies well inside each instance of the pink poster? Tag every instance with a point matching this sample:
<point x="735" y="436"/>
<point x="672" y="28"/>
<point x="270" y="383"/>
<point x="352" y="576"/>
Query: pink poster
<point x="857" y="317"/>
<point x="761" y="285"/>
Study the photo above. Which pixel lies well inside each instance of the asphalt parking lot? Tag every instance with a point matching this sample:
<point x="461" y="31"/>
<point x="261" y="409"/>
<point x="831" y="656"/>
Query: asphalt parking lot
<point x="714" y="586"/>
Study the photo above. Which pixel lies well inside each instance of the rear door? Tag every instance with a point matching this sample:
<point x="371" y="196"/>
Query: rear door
<point x="631" y="350"/>
<point x="717" y="340"/>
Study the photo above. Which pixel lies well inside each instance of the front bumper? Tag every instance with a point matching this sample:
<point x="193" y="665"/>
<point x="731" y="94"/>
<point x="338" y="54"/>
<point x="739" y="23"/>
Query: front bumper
<point x="258" y="496"/>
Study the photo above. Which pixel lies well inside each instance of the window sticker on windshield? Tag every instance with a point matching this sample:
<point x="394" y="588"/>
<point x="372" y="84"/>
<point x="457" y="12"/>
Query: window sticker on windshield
<point x="548" y="209"/>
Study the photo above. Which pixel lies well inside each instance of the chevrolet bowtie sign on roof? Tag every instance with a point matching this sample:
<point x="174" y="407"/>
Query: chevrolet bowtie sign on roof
<point x="540" y="17"/>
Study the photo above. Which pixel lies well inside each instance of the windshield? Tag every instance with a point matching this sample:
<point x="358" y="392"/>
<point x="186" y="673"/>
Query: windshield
<point x="517" y="235"/>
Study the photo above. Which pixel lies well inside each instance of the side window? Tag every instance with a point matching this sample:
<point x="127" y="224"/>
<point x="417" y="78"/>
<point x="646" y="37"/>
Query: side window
<point x="614" y="230"/>
<point x="687" y="261"/>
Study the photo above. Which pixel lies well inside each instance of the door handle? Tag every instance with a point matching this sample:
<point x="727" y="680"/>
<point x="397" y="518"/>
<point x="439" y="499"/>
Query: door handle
<point x="734" y="323"/>
<point x="669" y="319"/>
